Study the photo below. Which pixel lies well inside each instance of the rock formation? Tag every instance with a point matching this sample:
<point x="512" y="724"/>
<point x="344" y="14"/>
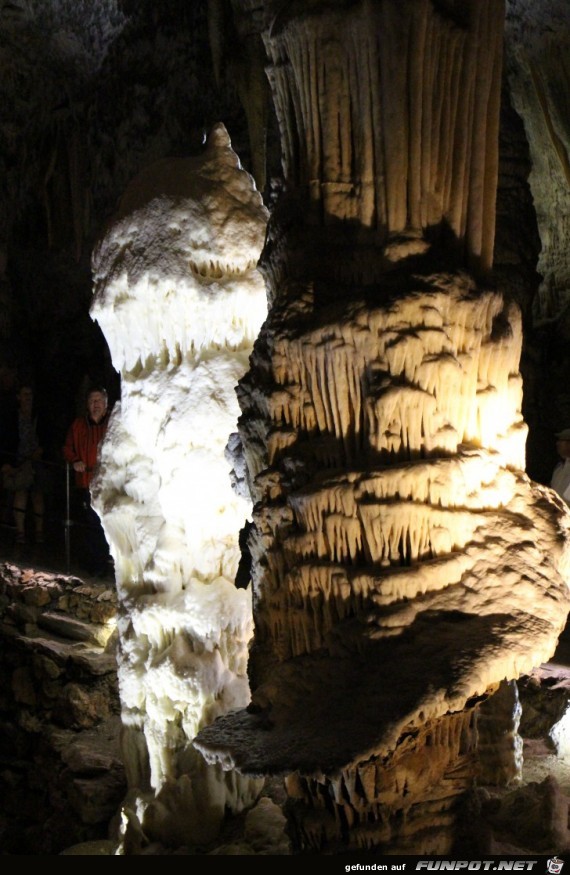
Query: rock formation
<point x="180" y="301"/>
<point x="384" y="431"/>
<point x="404" y="565"/>
<point x="62" y="778"/>
<point x="538" y="67"/>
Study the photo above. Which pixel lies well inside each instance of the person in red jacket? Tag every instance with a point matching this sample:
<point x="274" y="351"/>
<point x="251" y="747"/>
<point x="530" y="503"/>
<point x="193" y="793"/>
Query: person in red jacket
<point x="80" y="451"/>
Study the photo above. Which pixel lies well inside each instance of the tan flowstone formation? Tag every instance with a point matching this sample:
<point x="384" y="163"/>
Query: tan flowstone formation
<point x="405" y="568"/>
<point x="391" y="598"/>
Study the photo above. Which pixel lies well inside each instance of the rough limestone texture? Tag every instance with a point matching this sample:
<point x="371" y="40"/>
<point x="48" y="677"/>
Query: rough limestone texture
<point x="180" y="301"/>
<point x="404" y="565"/>
<point x="538" y="69"/>
<point x="388" y="115"/>
<point x="63" y="778"/>
<point x="394" y="527"/>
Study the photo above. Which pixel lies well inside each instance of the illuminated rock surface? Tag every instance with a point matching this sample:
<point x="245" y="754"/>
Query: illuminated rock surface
<point x="180" y="301"/>
<point x="438" y="552"/>
<point x="404" y="565"/>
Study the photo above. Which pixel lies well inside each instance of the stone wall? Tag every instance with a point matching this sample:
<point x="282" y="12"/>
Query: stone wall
<point x="61" y="777"/>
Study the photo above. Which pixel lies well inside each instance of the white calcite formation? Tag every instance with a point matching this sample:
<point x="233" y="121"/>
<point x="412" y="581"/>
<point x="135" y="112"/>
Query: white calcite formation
<point x="180" y="301"/>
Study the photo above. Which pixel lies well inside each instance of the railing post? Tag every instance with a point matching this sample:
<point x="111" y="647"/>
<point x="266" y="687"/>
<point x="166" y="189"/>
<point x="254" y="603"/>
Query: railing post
<point x="67" y="517"/>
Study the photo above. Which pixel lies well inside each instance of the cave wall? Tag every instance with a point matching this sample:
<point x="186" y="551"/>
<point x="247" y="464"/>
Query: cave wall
<point x="536" y="70"/>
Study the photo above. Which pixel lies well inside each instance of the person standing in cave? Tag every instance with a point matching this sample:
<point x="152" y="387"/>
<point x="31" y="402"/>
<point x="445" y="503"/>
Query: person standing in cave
<point x="561" y="475"/>
<point x="81" y="451"/>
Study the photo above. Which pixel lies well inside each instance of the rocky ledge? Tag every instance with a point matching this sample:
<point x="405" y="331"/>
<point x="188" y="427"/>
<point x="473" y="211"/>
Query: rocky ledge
<point x="61" y="777"/>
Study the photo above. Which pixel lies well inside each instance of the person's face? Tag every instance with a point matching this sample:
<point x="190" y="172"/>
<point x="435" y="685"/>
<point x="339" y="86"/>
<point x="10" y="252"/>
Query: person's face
<point x="96" y="406"/>
<point x="563" y="448"/>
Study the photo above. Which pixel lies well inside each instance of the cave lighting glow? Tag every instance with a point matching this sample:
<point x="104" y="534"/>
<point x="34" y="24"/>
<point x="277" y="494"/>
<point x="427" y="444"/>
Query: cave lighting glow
<point x="560" y="735"/>
<point x="180" y="301"/>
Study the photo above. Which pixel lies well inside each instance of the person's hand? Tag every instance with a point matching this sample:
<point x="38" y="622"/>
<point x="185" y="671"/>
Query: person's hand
<point x="79" y="466"/>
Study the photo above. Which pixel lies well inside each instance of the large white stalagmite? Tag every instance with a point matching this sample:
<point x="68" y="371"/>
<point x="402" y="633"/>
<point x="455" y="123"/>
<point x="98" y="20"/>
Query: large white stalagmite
<point x="180" y="301"/>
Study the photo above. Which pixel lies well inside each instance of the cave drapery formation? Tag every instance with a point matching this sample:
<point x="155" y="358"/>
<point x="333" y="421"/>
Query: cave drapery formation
<point x="403" y="565"/>
<point x="381" y="421"/>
